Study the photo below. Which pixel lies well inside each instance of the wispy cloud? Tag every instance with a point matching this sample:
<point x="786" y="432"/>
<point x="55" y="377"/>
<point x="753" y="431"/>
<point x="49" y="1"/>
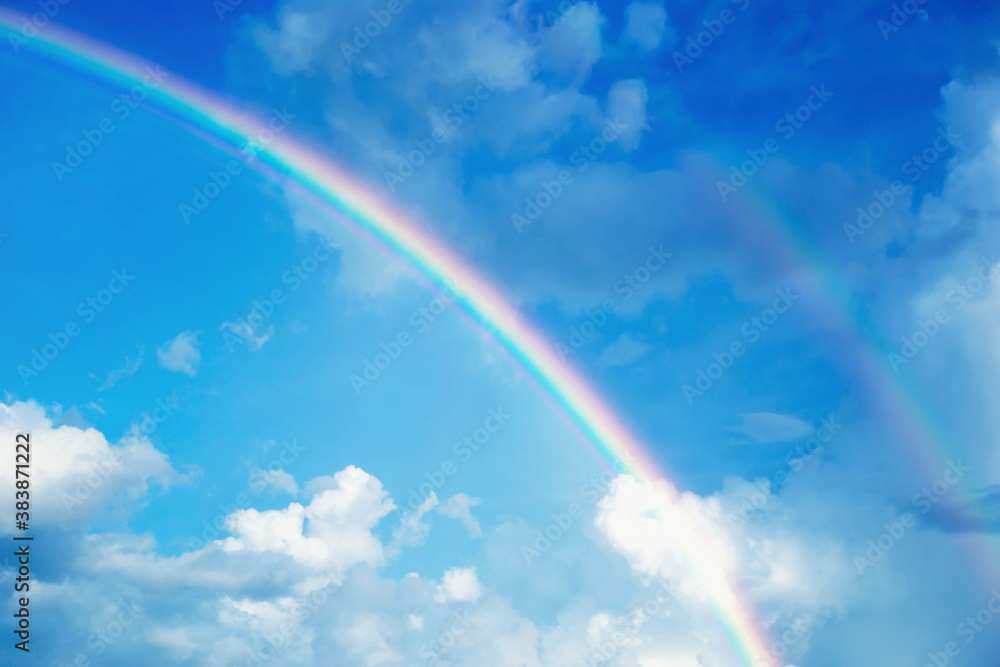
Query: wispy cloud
<point x="623" y="351"/>
<point x="766" y="427"/>
<point x="460" y="507"/>
<point x="127" y="371"/>
<point x="181" y="354"/>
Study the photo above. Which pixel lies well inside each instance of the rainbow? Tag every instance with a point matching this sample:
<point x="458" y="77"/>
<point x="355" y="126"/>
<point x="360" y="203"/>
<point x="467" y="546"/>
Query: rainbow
<point x="208" y="114"/>
<point x="919" y="434"/>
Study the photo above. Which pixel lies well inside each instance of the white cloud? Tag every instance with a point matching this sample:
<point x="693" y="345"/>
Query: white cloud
<point x="460" y="507"/>
<point x="627" y="102"/>
<point x="790" y="575"/>
<point x="180" y="354"/>
<point x="459" y="584"/>
<point x="646" y="25"/>
<point x="332" y="532"/>
<point x="785" y="570"/>
<point x="76" y="472"/>
<point x="765" y="427"/>
<point x="623" y="351"/>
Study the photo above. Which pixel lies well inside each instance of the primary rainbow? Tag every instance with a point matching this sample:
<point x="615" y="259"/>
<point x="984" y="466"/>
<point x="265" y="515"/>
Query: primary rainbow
<point x="403" y="237"/>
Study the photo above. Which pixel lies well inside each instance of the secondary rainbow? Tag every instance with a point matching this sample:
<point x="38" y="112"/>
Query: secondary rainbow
<point x="403" y="237"/>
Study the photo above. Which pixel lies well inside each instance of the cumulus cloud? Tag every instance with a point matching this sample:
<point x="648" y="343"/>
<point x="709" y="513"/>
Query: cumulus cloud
<point x="776" y="561"/>
<point x="332" y="532"/>
<point x="180" y="354"/>
<point x="459" y="584"/>
<point x="308" y="573"/>
<point x="76" y="472"/>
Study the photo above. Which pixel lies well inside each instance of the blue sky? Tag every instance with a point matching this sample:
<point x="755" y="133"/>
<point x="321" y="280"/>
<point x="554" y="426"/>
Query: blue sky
<point x="178" y="428"/>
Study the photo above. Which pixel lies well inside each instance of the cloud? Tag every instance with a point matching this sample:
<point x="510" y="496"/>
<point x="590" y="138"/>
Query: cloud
<point x="412" y="530"/>
<point x="332" y="532"/>
<point x="181" y="354"/>
<point x="766" y="427"/>
<point x="573" y="45"/>
<point x="243" y="332"/>
<point x="787" y="572"/>
<point x="273" y="481"/>
<point x="459" y="584"/>
<point x="646" y="25"/>
<point x="627" y="104"/>
<point x="175" y="640"/>
<point x="460" y="507"/>
<point x="76" y="472"/>
<point x="271" y="579"/>
<point x="623" y="351"/>
<point x="130" y="368"/>
<point x="295" y="44"/>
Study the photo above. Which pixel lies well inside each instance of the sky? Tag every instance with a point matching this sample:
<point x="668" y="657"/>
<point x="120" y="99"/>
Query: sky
<point x="762" y="233"/>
